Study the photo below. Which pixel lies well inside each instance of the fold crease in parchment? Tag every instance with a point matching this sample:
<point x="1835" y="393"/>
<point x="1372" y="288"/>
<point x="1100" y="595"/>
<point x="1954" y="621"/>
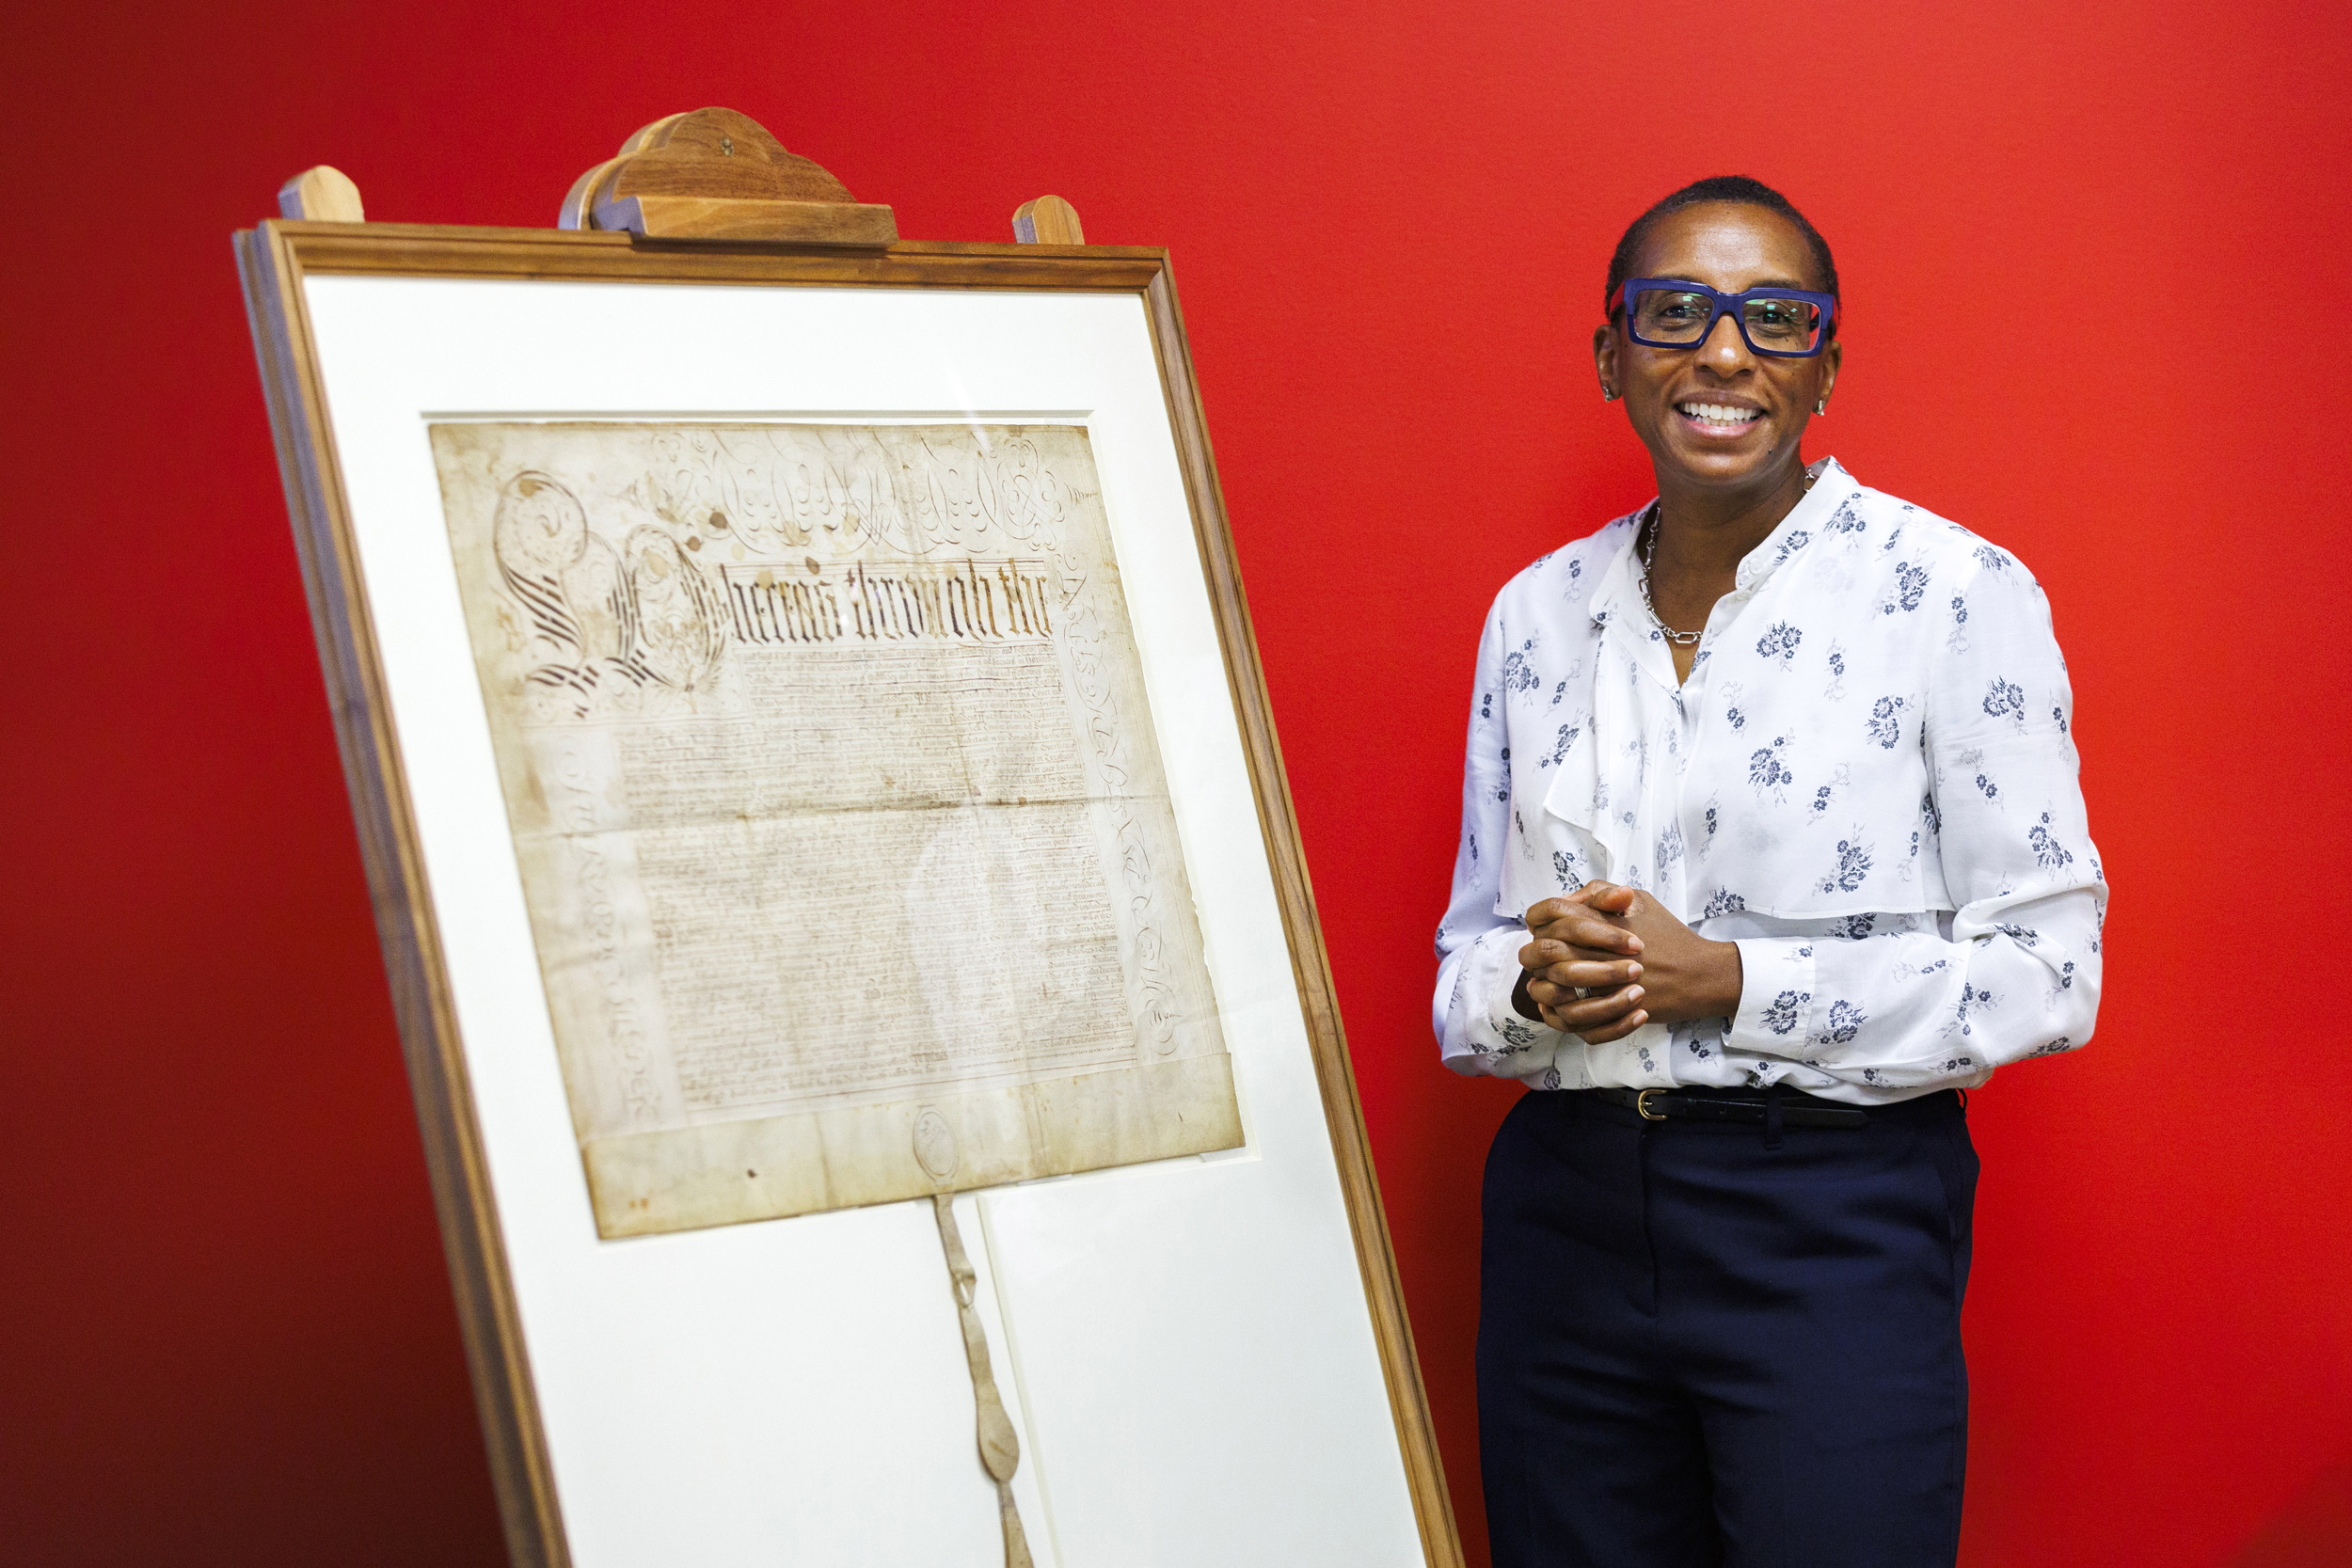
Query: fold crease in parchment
<point x="842" y="825"/>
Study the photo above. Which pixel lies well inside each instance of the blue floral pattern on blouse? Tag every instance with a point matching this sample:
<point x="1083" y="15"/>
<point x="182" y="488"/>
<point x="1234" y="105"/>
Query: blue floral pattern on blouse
<point x="1889" y="789"/>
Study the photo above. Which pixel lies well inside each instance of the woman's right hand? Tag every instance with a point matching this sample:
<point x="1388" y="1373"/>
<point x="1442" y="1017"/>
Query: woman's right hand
<point x="1573" y="948"/>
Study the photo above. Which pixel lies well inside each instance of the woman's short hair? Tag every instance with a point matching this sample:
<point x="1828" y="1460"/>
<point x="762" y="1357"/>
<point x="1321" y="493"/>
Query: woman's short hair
<point x="1720" y="188"/>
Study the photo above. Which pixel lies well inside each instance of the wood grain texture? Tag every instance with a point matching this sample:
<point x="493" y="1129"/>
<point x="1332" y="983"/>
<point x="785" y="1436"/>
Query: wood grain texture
<point x="718" y="174"/>
<point x="471" y="1238"/>
<point x="1047" y="220"/>
<point x="431" y="250"/>
<point x="274" y="259"/>
<point x="321" y="194"/>
<point x="715" y="217"/>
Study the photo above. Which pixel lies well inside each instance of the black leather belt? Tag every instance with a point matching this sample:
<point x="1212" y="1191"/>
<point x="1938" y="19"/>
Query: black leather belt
<point x="1753" y="1109"/>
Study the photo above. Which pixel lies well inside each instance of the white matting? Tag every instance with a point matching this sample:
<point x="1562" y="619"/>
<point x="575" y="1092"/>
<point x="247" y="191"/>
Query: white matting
<point x="1185" y="1346"/>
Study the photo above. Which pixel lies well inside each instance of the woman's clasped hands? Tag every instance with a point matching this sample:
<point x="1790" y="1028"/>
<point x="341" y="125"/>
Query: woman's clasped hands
<point x="1603" y="960"/>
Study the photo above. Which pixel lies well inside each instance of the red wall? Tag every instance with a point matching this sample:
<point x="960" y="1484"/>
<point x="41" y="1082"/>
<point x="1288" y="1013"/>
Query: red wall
<point x="227" y="1332"/>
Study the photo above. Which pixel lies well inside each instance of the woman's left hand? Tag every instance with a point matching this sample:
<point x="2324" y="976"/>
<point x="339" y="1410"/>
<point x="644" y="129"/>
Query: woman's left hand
<point x="1682" y="974"/>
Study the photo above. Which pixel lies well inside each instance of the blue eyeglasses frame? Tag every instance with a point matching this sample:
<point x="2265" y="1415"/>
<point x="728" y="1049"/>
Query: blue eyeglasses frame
<point x="1727" y="304"/>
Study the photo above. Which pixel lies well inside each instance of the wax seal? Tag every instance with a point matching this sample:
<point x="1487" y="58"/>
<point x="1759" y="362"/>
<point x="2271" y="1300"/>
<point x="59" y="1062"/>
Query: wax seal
<point x="934" y="1145"/>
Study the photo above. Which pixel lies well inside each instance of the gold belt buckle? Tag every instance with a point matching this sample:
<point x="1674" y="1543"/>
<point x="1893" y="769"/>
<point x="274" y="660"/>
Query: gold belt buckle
<point x="1641" y="1104"/>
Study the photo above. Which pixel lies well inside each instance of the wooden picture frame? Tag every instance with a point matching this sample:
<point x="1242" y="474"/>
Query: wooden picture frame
<point x="278" y="261"/>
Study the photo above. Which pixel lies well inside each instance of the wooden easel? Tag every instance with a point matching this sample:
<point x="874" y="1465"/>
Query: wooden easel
<point x="717" y="175"/>
<point x="709" y="198"/>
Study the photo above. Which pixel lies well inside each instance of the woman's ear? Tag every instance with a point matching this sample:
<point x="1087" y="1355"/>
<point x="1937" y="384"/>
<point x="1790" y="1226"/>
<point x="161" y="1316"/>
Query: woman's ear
<point x="1605" y="360"/>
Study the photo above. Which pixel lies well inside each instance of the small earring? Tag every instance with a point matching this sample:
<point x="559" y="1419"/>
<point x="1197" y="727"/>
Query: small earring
<point x="1822" y="408"/>
<point x="1608" y="394"/>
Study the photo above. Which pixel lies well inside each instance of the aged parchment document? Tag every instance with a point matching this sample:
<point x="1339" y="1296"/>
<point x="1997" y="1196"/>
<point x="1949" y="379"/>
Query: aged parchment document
<point x="841" y="821"/>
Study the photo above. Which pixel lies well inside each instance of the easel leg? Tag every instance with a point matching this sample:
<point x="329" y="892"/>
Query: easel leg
<point x="1000" y="1446"/>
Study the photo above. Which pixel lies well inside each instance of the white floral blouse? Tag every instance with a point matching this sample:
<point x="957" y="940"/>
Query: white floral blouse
<point x="1868" y="782"/>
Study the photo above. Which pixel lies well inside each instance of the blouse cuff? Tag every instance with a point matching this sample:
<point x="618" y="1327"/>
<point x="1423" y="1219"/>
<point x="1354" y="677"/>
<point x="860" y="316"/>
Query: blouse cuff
<point x="1776" y="991"/>
<point x="1497" y="1029"/>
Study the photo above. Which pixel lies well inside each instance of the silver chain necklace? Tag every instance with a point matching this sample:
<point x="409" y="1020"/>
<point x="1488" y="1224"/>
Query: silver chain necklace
<point x="1647" y="545"/>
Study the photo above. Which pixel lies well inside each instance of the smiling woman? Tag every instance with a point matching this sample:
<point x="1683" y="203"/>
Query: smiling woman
<point x="1771" y="847"/>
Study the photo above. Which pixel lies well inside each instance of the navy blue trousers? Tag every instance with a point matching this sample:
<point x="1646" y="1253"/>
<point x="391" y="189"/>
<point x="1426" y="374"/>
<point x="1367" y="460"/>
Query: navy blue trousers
<point x="1700" y="1347"/>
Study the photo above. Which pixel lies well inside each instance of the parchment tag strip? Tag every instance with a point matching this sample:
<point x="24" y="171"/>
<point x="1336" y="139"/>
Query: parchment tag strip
<point x="1000" y="1446"/>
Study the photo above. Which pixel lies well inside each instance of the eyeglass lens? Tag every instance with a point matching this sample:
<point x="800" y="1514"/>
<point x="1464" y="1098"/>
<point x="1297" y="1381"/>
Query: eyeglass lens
<point x="1680" y="316"/>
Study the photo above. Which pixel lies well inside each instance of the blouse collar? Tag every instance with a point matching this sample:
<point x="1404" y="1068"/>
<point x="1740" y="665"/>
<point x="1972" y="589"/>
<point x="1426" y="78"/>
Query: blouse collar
<point x="1618" y="596"/>
<point x="1832" y="487"/>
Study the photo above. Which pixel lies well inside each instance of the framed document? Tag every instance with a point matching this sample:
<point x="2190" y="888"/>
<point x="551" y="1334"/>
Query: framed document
<point x="818" y="794"/>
